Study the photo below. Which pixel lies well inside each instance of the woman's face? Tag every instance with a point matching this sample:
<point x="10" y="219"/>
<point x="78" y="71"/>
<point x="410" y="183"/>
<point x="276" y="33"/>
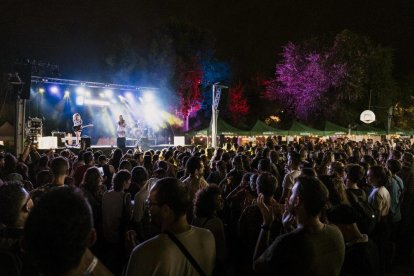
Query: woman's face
<point x="370" y="178"/>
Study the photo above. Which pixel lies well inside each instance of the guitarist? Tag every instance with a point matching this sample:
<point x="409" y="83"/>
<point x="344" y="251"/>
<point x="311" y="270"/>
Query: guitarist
<point x="77" y="126"/>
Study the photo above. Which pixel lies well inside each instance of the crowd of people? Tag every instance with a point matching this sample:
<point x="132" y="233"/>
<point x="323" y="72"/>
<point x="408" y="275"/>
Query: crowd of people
<point x="300" y="208"/>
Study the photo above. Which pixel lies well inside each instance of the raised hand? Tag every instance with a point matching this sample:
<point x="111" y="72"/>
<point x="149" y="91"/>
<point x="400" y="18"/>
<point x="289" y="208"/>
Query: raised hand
<point x="267" y="211"/>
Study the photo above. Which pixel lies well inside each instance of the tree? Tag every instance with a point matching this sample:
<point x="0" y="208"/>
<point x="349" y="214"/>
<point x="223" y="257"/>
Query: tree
<point x="316" y="80"/>
<point x="238" y="105"/>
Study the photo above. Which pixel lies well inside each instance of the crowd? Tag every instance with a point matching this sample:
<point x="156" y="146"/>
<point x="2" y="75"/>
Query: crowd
<point x="303" y="208"/>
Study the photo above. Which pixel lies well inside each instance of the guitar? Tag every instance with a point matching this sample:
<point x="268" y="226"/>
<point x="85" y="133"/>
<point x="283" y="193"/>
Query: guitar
<point x="79" y="128"/>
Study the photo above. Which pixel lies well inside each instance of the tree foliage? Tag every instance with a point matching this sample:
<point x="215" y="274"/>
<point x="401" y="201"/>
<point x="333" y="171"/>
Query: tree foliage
<point x="316" y="80"/>
<point x="238" y="105"/>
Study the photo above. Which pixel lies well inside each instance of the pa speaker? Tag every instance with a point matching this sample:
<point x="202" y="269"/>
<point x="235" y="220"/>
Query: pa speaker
<point x="120" y="142"/>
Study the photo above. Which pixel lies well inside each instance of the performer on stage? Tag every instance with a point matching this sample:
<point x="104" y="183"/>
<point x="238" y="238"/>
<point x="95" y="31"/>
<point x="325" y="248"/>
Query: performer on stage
<point x="77" y="126"/>
<point x="121" y="127"/>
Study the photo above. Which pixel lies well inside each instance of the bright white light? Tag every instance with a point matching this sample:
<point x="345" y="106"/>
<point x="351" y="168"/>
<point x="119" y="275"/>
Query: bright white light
<point x="102" y="95"/>
<point x="41" y="90"/>
<point x="129" y="95"/>
<point x="66" y="95"/>
<point x="148" y="97"/>
<point x="108" y="93"/>
<point x="88" y="93"/>
<point x="54" y="89"/>
<point x="79" y="100"/>
<point x="80" y="90"/>
<point x="96" y="102"/>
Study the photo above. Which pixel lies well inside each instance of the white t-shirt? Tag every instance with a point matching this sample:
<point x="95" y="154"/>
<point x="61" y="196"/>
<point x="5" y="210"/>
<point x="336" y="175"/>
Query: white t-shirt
<point x="161" y="256"/>
<point x="380" y="200"/>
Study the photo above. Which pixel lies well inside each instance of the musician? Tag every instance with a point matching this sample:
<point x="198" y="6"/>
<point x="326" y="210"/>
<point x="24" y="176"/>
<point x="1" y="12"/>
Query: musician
<point x="121" y="127"/>
<point x="77" y="126"/>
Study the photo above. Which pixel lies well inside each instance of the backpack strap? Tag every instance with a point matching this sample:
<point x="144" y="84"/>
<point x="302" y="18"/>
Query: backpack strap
<point x="187" y="254"/>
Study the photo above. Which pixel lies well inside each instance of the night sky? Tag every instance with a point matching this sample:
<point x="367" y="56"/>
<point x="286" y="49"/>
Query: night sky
<point x="249" y="34"/>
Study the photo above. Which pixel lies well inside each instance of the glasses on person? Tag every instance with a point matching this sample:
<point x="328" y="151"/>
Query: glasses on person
<point x="148" y="203"/>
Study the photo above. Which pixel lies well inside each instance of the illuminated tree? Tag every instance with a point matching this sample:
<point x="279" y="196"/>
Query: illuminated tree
<point x="238" y="105"/>
<point x="317" y="80"/>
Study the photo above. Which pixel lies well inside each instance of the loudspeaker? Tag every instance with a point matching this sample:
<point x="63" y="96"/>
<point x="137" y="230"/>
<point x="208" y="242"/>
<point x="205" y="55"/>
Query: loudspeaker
<point x="87" y="141"/>
<point x="25" y="74"/>
<point x="120" y="142"/>
<point x="60" y="138"/>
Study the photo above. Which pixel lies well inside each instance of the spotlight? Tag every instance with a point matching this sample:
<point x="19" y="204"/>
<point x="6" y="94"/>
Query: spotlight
<point x="80" y="100"/>
<point x="129" y="95"/>
<point x="80" y="90"/>
<point x="66" y="95"/>
<point x="148" y="97"/>
<point x="41" y="90"/>
<point x="102" y="95"/>
<point x="88" y="94"/>
<point x="108" y="93"/>
<point x="54" y="89"/>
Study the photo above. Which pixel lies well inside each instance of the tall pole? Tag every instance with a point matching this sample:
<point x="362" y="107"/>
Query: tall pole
<point x="19" y="125"/>
<point x="389" y="119"/>
<point x="214" y="119"/>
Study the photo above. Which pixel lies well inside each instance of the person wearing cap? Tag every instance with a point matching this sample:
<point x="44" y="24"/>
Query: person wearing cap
<point x="361" y="253"/>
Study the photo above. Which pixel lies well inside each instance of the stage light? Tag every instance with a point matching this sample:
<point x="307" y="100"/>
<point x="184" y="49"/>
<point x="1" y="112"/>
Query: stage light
<point x="148" y="96"/>
<point x="88" y="93"/>
<point x="102" y="95"/>
<point x="80" y="100"/>
<point x="96" y="102"/>
<point x="80" y="90"/>
<point x="108" y="93"/>
<point x="66" y="95"/>
<point x="129" y="95"/>
<point x="54" y="89"/>
<point x="41" y="90"/>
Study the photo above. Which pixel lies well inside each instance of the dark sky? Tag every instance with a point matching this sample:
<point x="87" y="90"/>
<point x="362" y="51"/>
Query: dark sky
<point x="249" y="34"/>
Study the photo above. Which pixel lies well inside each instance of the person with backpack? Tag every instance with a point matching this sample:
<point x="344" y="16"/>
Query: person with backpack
<point x="358" y="199"/>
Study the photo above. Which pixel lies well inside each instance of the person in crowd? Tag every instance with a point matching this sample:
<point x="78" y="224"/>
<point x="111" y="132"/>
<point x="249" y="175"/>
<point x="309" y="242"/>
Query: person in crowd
<point x="292" y="172"/>
<point x="361" y="253"/>
<point x="168" y="203"/>
<point x="116" y="216"/>
<point x="251" y="219"/>
<point x="218" y="172"/>
<point x="314" y="248"/>
<point x="116" y="158"/>
<point x="63" y="252"/>
<point x="207" y="203"/>
<point x="80" y="171"/>
<point x="15" y="206"/>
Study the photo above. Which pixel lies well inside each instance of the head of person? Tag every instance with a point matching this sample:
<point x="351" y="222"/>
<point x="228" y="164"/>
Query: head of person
<point x="168" y="201"/>
<point x="354" y="173"/>
<point x="92" y="179"/>
<point x="76" y="116"/>
<point x="266" y="184"/>
<point x="264" y="165"/>
<point x="207" y="201"/>
<point x="121" y="181"/>
<point x="309" y="195"/>
<point x="88" y="157"/>
<point x="59" y="166"/>
<point x="377" y="176"/>
<point x="58" y="231"/>
<point x="394" y="165"/>
<point x="293" y="160"/>
<point x="125" y="165"/>
<point x="15" y="204"/>
<point x="121" y="118"/>
<point x="238" y="162"/>
<point x="336" y="169"/>
<point x="43" y="177"/>
<point x="252" y="182"/>
<point x="194" y="166"/>
<point x="139" y="175"/>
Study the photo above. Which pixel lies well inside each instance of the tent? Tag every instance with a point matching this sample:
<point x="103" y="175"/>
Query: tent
<point x="364" y="129"/>
<point x="402" y="132"/>
<point x="223" y="128"/>
<point x="302" y="130"/>
<point x="334" y="129"/>
<point x="260" y="128"/>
